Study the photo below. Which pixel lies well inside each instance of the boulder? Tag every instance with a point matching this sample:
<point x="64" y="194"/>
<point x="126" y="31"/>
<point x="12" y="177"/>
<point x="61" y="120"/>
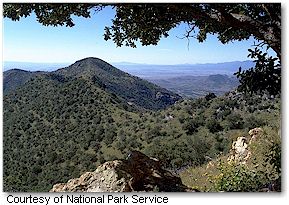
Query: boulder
<point x="239" y="151"/>
<point x="137" y="172"/>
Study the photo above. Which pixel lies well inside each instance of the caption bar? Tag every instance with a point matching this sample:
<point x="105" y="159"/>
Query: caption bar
<point x="82" y="199"/>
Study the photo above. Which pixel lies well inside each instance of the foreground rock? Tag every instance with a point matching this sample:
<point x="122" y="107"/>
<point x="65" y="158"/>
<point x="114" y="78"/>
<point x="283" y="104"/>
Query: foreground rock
<point x="137" y="173"/>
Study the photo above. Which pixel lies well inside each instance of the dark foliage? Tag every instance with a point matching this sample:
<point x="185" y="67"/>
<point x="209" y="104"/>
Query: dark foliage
<point x="264" y="77"/>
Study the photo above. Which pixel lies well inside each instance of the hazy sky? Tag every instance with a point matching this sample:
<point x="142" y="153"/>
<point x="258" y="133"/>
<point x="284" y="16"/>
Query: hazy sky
<point x="28" y="41"/>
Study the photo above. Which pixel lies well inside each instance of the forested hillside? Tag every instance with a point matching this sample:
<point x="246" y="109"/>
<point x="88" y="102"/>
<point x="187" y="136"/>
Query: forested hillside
<point x="58" y="125"/>
<point x="14" y="78"/>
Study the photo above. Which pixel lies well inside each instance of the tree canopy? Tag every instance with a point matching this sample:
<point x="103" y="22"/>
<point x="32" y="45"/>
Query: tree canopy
<point x="148" y="23"/>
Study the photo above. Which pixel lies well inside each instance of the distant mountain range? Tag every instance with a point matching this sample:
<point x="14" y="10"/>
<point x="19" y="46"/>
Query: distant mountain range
<point x="153" y="72"/>
<point x="30" y="66"/>
<point x="188" y="80"/>
<point x="146" y="71"/>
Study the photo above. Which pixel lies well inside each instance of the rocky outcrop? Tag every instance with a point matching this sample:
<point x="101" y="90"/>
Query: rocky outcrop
<point x="240" y="151"/>
<point x="136" y="173"/>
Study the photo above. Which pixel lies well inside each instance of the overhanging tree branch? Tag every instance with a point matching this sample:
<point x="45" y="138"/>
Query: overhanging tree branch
<point x="148" y="23"/>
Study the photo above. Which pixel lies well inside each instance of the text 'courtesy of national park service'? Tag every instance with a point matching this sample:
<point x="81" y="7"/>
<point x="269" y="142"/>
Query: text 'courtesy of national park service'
<point x="82" y="199"/>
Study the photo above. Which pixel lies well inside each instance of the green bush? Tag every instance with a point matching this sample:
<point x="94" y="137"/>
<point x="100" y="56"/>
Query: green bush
<point x="213" y="125"/>
<point x="237" y="178"/>
<point x="262" y="170"/>
<point x="235" y="121"/>
<point x="253" y="121"/>
<point x="191" y="126"/>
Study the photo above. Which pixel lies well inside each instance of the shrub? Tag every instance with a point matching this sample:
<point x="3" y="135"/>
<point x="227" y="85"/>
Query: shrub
<point x="237" y="178"/>
<point x="210" y="96"/>
<point x="253" y="121"/>
<point x="191" y="126"/>
<point x="235" y="121"/>
<point x="214" y="126"/>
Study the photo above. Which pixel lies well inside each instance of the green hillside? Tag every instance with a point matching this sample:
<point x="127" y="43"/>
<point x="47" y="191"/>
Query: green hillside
<point x="14" y="78"/>
<point x="133" y="89"/>
<point x="61" y="124"/>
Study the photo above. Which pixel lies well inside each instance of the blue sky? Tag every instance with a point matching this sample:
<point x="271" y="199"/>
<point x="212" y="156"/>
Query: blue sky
<point x="28" y="41"/>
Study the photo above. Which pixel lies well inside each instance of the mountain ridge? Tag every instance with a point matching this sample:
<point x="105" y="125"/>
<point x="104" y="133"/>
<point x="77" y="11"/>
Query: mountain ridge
<point x="14" y="78"/>
<point x="168" y="77"/>
<point x="131" y="89"/>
